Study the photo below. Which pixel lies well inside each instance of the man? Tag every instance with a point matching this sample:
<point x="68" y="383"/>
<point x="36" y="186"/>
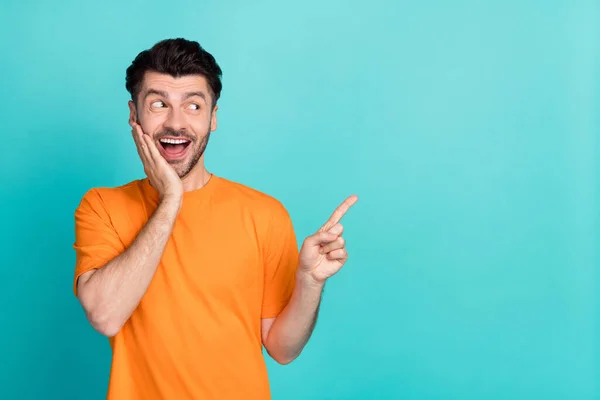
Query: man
<point x="187" y="273"/>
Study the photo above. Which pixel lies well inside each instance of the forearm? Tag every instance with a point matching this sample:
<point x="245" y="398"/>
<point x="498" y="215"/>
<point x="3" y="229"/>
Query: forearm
<point x="111" y="293"/>
<point x="294" y="325"/>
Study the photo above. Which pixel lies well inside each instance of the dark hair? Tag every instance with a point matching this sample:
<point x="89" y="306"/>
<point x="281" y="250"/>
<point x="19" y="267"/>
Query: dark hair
<point x="176" y="57"/>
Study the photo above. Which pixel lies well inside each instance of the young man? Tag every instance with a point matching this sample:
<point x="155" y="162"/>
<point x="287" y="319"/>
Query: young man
<point x="187" y="273"/>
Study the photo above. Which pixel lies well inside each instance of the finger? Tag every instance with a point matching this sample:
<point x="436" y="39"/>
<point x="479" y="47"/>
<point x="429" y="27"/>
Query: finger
<point x="136" y="142"/>
<point x="138" y="134"/>
<point x="339" y="254"/>
<point x="337" y="229"/>
<point x="137" y="130"/>
<point x="339" y="243"/>
<point x="320" y="238"/>
<point x="141" y="145"/>
<point x="339" y="212"/>
<point x="147" y="143"/>
<point x="152" y="149"/>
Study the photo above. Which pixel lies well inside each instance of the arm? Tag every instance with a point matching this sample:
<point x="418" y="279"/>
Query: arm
<point x="322" y="255"/>
<point x="110" y="294"/>
<point x="284" y="337"/>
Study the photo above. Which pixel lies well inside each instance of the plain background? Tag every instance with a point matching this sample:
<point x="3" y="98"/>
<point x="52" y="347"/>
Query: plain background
<point x="469" y="130"/>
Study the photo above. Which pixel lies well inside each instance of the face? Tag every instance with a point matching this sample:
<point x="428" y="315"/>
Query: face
<point x="178" y="114"/>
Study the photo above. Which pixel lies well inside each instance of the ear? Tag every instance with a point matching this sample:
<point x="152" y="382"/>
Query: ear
<point x="133" y="117"/>
<point x="213" y="119"/>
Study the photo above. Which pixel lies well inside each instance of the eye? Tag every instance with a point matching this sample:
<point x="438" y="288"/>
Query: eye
<point x="157" y="104"/>
<point x="194" y="107"/>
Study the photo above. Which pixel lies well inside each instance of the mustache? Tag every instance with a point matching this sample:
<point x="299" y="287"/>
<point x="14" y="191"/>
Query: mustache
<point x="181" y="134"/>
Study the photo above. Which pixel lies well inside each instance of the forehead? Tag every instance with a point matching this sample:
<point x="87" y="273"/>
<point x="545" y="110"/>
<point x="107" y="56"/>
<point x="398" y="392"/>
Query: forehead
<point x="174" y="86"/>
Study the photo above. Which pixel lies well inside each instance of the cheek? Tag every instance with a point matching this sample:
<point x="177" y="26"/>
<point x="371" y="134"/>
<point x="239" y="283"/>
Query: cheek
<point x="151" y="122"/>
<point x="200" y="125"/>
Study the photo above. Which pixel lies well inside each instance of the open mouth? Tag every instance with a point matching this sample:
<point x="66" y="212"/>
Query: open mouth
<point x="173" y="149"/>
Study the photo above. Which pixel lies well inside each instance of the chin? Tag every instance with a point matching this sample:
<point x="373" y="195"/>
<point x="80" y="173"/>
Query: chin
<point x="183" y="169"/>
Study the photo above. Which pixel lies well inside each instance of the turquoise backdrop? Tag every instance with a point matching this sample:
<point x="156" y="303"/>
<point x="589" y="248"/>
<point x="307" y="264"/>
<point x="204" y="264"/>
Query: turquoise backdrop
<point x="469" y="129"/>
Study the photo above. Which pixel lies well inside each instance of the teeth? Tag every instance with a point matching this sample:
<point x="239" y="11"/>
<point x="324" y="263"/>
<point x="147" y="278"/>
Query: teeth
<point x="174" y="141"/>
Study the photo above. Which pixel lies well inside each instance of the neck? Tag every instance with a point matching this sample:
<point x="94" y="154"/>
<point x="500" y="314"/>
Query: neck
<point x="197" y="178"/>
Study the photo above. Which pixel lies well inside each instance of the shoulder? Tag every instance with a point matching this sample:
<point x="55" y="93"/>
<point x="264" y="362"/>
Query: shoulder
<point x="103" y="198"/>
<point x="251" y="198"/>
<point x="271" y="219"/>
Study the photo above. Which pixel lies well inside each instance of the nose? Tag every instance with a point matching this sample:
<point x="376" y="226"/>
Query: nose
<point x="175" y="120"/>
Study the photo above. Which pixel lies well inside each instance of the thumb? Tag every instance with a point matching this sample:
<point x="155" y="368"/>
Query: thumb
<point x="320" y="238"/>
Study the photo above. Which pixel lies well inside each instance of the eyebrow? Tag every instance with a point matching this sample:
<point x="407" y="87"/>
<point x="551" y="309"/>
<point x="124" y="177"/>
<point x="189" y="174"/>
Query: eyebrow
<point x="156" y="92"/>
<point x="192" y="94"/>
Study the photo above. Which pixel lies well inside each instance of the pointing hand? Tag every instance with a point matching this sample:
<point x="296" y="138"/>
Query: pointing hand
<point x="324" y="253"/>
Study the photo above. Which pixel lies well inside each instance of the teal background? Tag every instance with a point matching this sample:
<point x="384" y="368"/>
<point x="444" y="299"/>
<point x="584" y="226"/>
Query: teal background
<point x="469" y="130"/>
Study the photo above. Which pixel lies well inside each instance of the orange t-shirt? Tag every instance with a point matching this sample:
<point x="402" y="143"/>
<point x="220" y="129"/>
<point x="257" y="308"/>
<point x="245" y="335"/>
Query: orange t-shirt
<point x="230" y="261"/>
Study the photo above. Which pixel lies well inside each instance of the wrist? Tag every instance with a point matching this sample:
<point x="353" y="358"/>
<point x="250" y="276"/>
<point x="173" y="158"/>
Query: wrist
<point x="171" y="202"/>
<point x="306" y="279"/>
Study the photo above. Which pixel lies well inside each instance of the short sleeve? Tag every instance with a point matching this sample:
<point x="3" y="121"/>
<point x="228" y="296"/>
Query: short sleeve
<point x="281" y="260"/>
<point x="96" y="241"/>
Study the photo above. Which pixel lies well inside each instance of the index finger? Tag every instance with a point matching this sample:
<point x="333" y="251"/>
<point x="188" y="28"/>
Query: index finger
<point x="339" y="212"/>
